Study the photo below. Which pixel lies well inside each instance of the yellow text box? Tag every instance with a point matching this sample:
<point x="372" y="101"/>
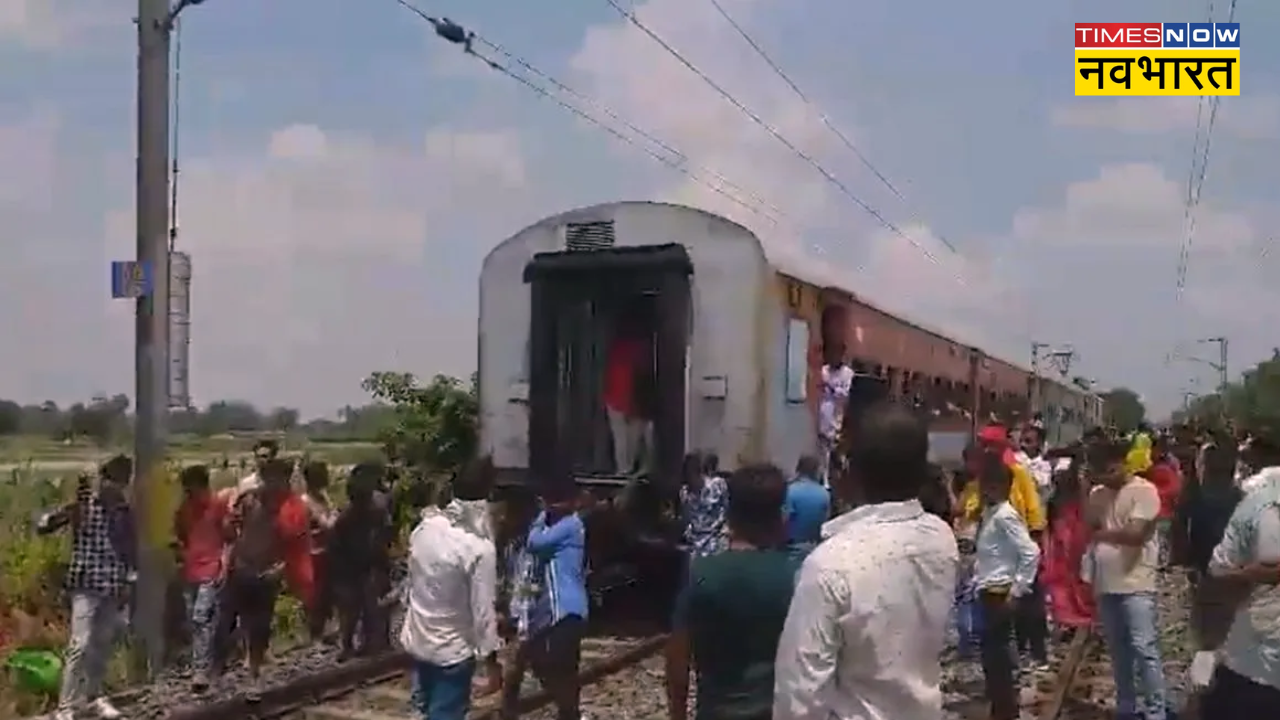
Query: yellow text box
<point x="1157" y="72"/>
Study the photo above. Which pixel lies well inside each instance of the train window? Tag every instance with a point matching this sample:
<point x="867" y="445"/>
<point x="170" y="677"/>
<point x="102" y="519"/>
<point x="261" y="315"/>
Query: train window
<point x="797" y="360"/>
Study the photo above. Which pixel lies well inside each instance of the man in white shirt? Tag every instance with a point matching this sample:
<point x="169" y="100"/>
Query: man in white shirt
<point x="450" y="619"/>
<point x="1004" y="576"/>
<point x="1246" y="683"/>
<point x="868" y="622"/>
<point x="836" y="381"/>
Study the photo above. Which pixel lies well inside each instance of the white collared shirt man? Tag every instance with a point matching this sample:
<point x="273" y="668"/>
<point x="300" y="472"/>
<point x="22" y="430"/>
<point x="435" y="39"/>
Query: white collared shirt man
<point x="450" y="620"/>
<point x="868" y="621"/>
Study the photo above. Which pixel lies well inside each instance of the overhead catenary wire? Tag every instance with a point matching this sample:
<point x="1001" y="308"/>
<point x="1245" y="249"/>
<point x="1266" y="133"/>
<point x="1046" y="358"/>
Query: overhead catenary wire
<point x="458" y="35"/>
<point x="468" y="41"/>
<point x="1199" y="170"/>
<point x="777" y="135"/>
<point x="608" y="112"/>
<point x="822" y="116"/>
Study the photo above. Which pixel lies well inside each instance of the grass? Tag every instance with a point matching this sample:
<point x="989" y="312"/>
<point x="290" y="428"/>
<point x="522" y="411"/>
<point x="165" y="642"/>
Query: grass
<point x="33" y="605"/>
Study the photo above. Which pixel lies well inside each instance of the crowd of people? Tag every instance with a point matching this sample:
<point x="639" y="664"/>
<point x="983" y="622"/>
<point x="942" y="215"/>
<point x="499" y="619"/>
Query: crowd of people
<point x="806" y="597"/>
<point x="237" y="549"/>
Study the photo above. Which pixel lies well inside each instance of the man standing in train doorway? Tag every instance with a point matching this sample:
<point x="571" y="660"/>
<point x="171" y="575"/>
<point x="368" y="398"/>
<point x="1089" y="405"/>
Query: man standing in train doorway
<point x="836" y="381"/>
<point x="627" y="392"/>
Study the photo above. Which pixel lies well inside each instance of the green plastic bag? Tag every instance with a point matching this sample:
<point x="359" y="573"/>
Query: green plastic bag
<point x="35" y="671"/>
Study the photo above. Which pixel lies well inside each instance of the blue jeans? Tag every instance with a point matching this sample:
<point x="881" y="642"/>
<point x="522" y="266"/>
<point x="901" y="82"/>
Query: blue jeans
<point x="202" y="613"/>
<point x="1129" y="625"/>
<point x="443" y="692"/>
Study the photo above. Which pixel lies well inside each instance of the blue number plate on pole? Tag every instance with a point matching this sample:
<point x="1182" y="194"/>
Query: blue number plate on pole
<point x="130" y="280"/>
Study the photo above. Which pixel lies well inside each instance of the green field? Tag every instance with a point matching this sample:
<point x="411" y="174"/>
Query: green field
<point x="37" y="475"/>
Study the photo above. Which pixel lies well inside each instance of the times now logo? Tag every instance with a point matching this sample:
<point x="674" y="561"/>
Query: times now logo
<point x="1158" y="35"/>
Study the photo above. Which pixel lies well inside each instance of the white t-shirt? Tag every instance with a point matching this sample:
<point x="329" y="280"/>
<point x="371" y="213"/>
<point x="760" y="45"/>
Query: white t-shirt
<point x="1124" y="570"/>
<point x="834" y="394"/>
<point x="249" y="482"/>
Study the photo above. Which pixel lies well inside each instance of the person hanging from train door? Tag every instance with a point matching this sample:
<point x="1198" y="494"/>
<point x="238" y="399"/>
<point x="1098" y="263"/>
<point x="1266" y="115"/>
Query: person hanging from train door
<point x="628" y="364"/>
<point x="833" y="396"/>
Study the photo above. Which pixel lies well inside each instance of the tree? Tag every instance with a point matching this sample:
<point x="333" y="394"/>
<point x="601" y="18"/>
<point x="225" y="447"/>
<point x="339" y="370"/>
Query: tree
<point x="1253" y="401"/>
<point x="1123" y="408"/>
<point x="10" y="417"/>
<point x="432" y="428"/>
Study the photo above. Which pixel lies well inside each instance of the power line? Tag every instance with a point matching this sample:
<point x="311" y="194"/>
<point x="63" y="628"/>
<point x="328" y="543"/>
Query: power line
<point x="822" y="116"/>
<point x="754" y="117"/>
<point x="454" y="33"/>
<point x="605" y="110"/>
<point x="1195" y="183"/>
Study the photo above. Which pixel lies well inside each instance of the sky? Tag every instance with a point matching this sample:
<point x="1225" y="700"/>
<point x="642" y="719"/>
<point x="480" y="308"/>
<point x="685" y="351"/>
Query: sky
<point x="344" y="171"/>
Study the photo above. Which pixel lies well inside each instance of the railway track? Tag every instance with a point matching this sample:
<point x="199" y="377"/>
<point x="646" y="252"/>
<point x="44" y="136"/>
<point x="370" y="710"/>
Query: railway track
<point x="378" y="688"/>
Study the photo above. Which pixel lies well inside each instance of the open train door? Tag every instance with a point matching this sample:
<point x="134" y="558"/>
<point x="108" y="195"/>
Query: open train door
<point x="574" y="298"/>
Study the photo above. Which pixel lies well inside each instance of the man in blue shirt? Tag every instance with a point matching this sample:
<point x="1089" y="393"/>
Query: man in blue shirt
<point x="806" y="508"/>
<point x="557" y="611"/>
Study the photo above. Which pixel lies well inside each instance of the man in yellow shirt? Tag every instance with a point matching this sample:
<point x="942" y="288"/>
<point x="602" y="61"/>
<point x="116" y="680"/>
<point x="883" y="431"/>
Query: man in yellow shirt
<point x="1023" y="495"/>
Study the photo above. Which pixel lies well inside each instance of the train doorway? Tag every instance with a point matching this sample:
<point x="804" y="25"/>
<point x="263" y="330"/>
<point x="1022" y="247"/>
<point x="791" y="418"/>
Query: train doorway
<point x="608" y="342"/>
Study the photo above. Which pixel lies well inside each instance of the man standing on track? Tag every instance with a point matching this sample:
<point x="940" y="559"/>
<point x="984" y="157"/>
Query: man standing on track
<point x="450" y="621"/>
<point x="198" y="528"/>
<point x="557" y="616"/>
<point x="264" y="451"/>
<point x="865" y="631"/>
<point x="730" y="615"/>
<point x="103" y="562"/>
<point x="1122" y="510"/>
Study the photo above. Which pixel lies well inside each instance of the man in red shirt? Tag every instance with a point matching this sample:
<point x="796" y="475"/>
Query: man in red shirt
<point x="627" y="424"/>
<point x="1164" y="474"/>
<point x="198" y="529"/>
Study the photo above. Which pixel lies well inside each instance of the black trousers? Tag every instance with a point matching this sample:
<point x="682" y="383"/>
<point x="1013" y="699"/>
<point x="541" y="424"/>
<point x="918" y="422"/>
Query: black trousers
<point x="358" y="599"/>
<point x="1031" y="623"/>
<point x="999" y="669"/>
<point x="1235" y="697"/>
<point x="554" y="655"/>
<point x="248" y="604"/>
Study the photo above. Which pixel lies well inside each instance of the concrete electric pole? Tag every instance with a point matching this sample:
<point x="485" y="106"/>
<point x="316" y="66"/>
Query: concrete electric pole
<point x="156" y="20"/>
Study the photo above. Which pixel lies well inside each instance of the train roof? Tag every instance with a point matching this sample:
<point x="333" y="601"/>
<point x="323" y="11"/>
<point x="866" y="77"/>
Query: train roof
<point x="788" y="259"/>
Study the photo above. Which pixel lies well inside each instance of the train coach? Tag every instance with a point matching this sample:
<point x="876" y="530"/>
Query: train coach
<point x="738" y="333"/>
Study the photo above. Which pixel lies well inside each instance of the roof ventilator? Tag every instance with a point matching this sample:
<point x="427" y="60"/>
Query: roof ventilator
<point x="589" y="236"/>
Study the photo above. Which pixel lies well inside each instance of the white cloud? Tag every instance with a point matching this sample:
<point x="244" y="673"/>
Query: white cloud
<point x="1250" y="117"/>
<point x="1130" y="205"/>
